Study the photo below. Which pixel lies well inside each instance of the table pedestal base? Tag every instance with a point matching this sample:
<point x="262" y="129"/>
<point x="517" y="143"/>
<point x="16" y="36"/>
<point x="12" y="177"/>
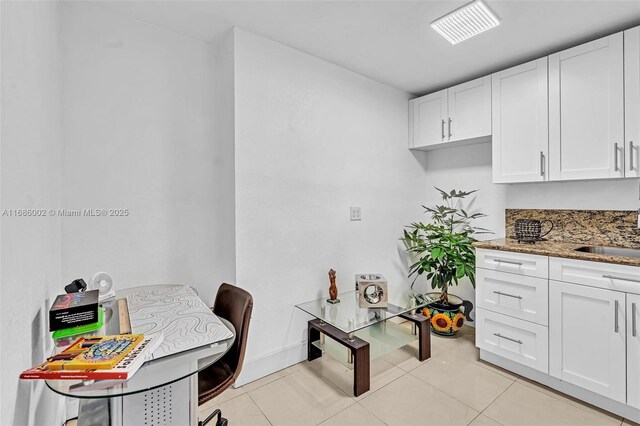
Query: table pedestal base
<point x="164" y="406"/>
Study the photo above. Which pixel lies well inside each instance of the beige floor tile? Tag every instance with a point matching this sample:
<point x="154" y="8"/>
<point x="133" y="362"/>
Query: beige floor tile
<point x="466" y="381"/>
<point x="523" y="405"/>
<point x="239" y="411"/>
<point x="468" y="332"/>
<point x="405" y="358"/>
<point x="230" y="393"/>
<point x="410" y="401"/>
<point x="300" y="398"/>
<point x="607" y="416"/>
<point x="454" y="346"/>
<point x="483" y="420"/>
<point x="463" y="347"/>
<point x="271" y="377"/>
<point x="353" y="416"/>
<point x="381" y="373"/>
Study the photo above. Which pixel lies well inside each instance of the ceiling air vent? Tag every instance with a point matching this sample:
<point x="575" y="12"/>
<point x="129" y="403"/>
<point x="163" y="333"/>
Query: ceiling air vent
<point x="465" y="22"/>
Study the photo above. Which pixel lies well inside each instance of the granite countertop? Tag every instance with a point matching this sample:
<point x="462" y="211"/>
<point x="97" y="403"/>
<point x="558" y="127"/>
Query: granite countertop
<point x="554" y="249"/>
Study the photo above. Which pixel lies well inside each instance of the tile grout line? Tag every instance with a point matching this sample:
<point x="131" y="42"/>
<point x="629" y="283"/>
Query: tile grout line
<point x="220" y="403"/>
<point x="494" y="400"/>
<point x="373" y="414"/>
<point x="382" y="387"/>
<point x="462" y="402"/>
<point x="448" y="394"/>
<point x="260" y="409"/>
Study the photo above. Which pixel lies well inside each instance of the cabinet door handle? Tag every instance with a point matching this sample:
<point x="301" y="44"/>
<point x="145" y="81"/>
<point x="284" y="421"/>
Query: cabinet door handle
<point x="616" y="150"/>
<point x="634" y="331"/>
<point x="507" y="338"/>
<point x="510" y="262"/>
<point x="450" y="127"/>
<point x="542" y="171"/>
<point x="613" y="277"/>
<point x="616" y="304"/>
<point x="507" y="294"/>
<point x="631" y="148"/>
<point x="443" y="136"/>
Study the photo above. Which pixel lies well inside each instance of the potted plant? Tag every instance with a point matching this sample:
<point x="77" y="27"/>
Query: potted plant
<point x="445" y="253"/>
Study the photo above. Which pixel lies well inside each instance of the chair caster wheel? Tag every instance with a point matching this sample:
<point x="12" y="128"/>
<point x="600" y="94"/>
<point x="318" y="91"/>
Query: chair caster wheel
<point x="222" y="422"/>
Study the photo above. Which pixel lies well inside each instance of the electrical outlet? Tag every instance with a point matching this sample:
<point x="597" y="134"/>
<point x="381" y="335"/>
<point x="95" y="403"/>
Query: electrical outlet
<point x="355" y="213"/>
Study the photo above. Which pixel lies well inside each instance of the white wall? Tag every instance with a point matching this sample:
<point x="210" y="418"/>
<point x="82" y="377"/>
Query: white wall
<point x="313" y="139"/>
<point x="140" y="134"/>
<point x="470" y="168"/>
<point x="30" y="179"/>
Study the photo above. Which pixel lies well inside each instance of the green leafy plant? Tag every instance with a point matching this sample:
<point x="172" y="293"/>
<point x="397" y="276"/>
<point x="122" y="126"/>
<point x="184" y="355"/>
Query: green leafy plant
<point x="444" y="246"/>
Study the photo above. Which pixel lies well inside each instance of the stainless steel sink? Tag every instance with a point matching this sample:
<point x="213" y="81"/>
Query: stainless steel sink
<point x="611" y="251"/>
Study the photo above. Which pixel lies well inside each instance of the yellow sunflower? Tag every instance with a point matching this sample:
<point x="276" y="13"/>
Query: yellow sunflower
<point x="426" y="313"/>
<point x="458" y="321"/>
<point x="441" y="322"/>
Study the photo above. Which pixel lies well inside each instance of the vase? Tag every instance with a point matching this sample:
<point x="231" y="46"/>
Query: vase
<point x="447" y="319"/>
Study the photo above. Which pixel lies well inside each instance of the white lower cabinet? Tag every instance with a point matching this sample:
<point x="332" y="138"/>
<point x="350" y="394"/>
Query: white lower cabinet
<point x="521" y="341"/>
<point x="519" y="296"/>
<point x="633" y="350"/>
<point x="577" y="322"/>
<point x="587" y="333"/>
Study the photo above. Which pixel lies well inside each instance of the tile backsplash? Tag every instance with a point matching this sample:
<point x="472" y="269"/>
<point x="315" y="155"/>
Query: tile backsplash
<point x="594" y="227"/>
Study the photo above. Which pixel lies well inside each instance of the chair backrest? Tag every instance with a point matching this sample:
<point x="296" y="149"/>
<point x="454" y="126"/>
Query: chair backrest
<point x="235" y="305"/>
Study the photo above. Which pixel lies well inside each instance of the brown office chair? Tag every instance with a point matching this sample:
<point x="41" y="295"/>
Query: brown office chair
<point x="235" y="305"/>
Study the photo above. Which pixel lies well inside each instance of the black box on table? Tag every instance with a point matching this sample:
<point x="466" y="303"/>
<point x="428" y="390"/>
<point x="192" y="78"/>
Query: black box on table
<point x="73" y="309"/>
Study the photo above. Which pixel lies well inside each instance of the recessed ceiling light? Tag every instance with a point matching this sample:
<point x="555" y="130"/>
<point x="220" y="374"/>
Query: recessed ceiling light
<point x="465" y="22"/>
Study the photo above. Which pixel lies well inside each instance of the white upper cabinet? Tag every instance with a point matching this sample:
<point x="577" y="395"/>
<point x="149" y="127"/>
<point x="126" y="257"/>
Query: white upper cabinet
<point x="460" y="113"/>
<point x="632" y="102"/>
<point x="586" y="119"/>
<point x="469" y="110"/>
<point x="428" y="116"/>
<point x="520" y="123"/>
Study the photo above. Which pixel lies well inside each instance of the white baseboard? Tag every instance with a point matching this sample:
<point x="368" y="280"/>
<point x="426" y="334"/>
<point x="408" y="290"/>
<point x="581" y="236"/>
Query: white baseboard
<point x="268" y="364"/>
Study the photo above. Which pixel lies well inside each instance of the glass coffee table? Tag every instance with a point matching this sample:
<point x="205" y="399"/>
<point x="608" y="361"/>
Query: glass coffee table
<point x="366" y="333"/>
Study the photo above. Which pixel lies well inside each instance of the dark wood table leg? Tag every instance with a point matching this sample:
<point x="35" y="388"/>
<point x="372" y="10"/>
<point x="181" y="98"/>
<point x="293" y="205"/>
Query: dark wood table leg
<point x="313" y="352"/>
<point x="358" y="347"/>
<point x="424" y="334"/>
<point x="361" y="374"/>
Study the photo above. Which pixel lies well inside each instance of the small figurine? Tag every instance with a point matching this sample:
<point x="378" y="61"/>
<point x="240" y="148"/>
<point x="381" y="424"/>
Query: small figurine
<point x="333" y="290"/>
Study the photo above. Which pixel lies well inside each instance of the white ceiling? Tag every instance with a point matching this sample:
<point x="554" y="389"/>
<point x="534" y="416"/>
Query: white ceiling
<point x="391" y="41"/>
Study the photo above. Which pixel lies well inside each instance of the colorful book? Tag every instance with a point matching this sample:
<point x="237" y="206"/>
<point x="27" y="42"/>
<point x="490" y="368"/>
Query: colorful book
<point x="94" y="352"/>
<point x="123" y="370"/>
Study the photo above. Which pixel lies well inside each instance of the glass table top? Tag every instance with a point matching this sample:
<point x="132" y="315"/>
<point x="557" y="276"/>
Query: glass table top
<point x="152" y="374"/>
<point x="348" y="316"/>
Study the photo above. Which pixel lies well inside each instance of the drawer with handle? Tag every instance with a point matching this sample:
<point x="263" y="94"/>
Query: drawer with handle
<point x="596" y="274"/>
<point x="521" y="341"/>
<point x="515" y="263"/>
<point x="519" y="296"/>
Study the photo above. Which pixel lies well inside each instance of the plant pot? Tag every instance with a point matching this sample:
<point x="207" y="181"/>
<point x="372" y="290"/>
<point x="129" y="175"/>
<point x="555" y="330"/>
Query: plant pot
<point x="446" y="320"/>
